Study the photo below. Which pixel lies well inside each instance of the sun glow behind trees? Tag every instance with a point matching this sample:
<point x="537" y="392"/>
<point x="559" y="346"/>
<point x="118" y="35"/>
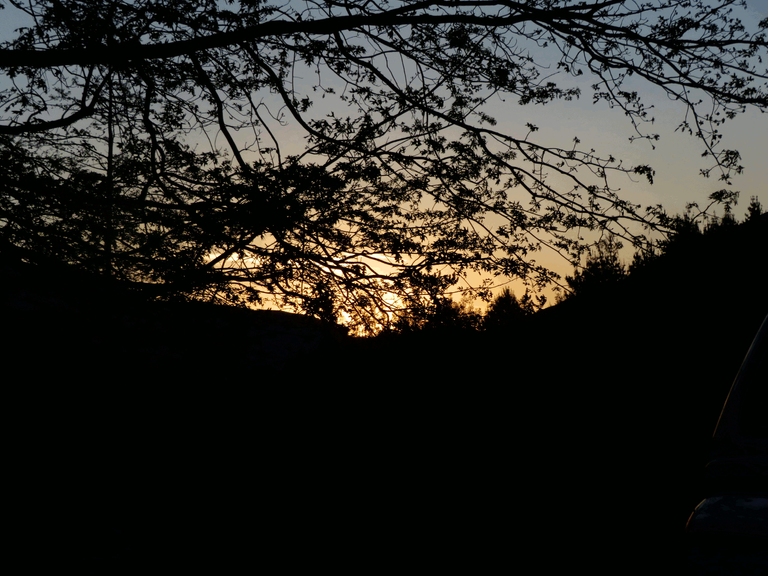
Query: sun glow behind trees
<point x="339" y="158"/>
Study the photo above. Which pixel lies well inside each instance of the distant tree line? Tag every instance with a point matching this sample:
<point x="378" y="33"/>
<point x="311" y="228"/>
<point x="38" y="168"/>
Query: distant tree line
<point x="446" y="314"/>
<point x="602" y="271"/>
<point x="604" y="267"/>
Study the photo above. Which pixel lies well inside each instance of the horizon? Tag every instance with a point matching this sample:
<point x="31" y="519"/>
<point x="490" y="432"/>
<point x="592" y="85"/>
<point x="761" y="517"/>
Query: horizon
<point x="676" y="158"/>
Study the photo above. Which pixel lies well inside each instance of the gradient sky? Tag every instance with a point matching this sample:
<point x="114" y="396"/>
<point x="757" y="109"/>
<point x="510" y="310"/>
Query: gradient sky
<point x="676" y="158"/>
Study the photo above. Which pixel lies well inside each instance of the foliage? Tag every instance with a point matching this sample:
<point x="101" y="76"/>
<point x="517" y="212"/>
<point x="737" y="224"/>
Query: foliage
<point x="440" y="313"/>
<point x="149" y="140"/>
<point x="506" y="309"/>
<point x="688" y="228"/>
<point x="686" y="233"/>
<point x="603" y="268"/>
<point x="504" y="312"/>
<point x="754" y="210"/>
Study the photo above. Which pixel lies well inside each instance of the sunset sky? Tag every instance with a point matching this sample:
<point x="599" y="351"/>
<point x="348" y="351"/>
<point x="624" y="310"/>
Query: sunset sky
<point x="676" y="157"/>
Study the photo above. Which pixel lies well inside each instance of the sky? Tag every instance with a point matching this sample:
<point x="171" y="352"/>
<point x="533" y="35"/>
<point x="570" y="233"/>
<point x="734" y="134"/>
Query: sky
<point x="676" y="157"/>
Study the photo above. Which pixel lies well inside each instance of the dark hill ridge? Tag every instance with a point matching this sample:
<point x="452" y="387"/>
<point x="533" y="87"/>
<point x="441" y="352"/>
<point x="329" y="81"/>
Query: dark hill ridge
<point x="708" y="295"/>
<point x="156" y="434"/>
<point x="623" y="386"/>
<point x="95" y="331"/>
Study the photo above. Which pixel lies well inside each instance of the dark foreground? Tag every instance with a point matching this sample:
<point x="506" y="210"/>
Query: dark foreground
<point x="147" y="437"/>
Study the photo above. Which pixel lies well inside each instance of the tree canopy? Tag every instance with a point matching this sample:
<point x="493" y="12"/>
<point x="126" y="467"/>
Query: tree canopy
<point x="602" y="269"/>
<point x="339" y="156"/>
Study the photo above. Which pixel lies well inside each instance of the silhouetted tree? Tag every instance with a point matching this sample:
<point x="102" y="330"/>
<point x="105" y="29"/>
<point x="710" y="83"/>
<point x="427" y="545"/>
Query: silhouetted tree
<point x="754" y="210"/>
<point x="506" y="309"/>
<point x="726" y="221"/>
<point x="693" y="239"/>
<point x="441" y="314"/>
<point x="602" y="269"/>
<point x="144" y="139"/>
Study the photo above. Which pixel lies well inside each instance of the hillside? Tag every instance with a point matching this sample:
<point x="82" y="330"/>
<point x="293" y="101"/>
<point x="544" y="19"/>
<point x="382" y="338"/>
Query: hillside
<point x="157" y="431"/>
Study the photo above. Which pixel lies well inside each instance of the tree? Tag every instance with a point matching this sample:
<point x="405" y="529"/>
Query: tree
<point x="438" y="314"/>
<point x="603" y="268"/>
<point x="146" y="139"/>
<point x="505" y="310"/>
<point x="754" y="211"/>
